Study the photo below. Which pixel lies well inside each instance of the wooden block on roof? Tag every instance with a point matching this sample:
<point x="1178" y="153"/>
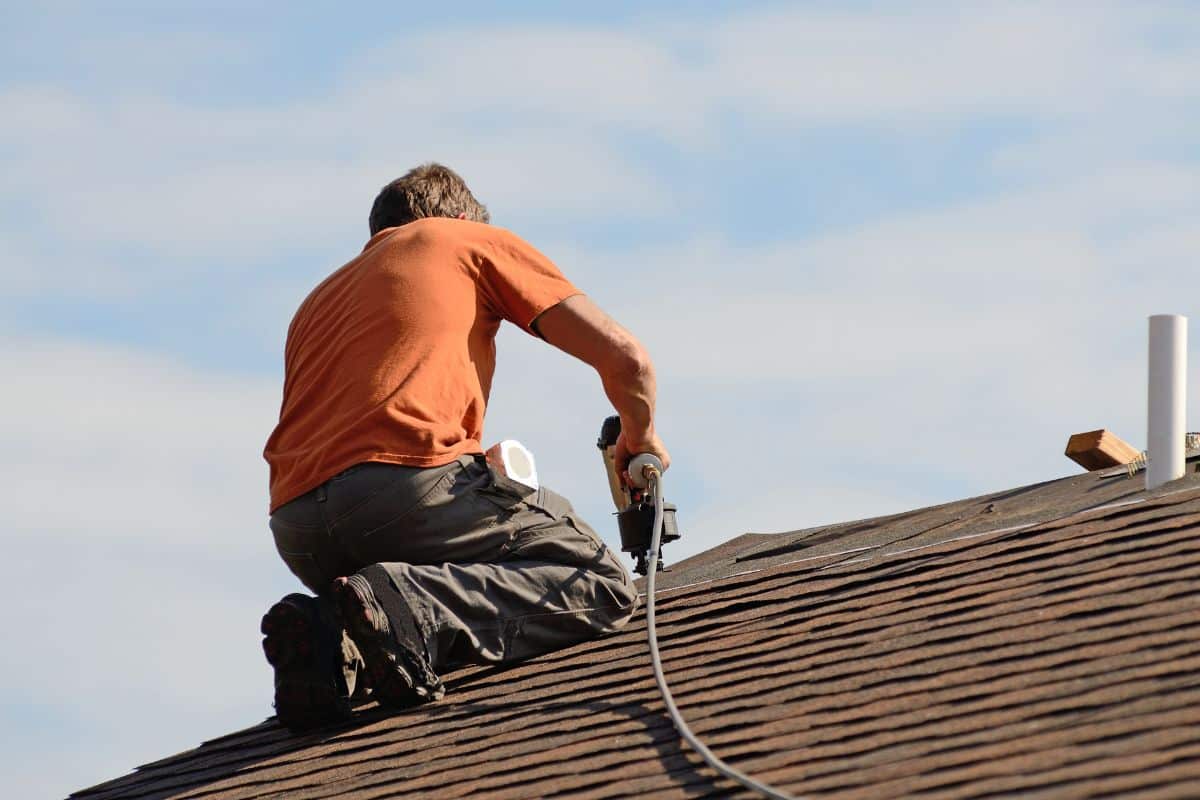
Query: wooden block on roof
<point x="1100" y="449"/>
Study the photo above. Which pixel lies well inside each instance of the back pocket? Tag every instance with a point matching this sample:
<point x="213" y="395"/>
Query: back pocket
<point x="402" y="501"/>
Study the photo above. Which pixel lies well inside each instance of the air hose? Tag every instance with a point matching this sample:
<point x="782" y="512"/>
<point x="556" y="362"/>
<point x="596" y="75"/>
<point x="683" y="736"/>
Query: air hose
<point x="653" y="475"/>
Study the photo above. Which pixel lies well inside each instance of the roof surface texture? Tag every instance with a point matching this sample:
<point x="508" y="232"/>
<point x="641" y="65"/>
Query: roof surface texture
<point x="1043" y="642"/>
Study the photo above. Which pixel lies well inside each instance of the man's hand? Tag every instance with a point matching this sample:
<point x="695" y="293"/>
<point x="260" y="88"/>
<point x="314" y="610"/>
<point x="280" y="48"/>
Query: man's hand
<point x="626" y="450"/>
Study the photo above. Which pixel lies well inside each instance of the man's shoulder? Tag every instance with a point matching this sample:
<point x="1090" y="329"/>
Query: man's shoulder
<point x="457" y="230"/>
<point x="469" y="239"/>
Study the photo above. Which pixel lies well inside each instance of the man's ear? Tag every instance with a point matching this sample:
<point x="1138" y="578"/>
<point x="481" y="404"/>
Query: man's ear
<point x="461" y="215"/>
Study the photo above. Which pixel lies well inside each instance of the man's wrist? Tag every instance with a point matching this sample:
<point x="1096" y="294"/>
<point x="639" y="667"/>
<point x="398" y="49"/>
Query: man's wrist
<point x="637" y="436"/>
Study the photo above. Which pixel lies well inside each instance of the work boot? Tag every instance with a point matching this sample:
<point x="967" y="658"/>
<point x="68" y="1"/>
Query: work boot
<point x="307" y="647"/>
<point x="381" y="623"/>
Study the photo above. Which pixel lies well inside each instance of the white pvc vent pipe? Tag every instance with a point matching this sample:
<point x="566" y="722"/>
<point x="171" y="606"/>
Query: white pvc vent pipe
<point x="1167" y="407"/>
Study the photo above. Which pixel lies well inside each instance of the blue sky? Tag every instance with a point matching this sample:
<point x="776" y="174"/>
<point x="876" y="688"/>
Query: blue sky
<point x="885" y="255"/>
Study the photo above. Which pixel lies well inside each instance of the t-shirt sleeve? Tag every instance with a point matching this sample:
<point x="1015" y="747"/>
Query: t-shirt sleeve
<point x="519" y="282"/>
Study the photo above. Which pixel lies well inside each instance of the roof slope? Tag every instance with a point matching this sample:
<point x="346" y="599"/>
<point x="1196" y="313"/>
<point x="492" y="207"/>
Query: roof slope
<point x="939" y="654"/>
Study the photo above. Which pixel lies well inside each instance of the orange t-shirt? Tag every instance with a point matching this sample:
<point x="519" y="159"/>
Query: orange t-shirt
<point x="391" y="357"/>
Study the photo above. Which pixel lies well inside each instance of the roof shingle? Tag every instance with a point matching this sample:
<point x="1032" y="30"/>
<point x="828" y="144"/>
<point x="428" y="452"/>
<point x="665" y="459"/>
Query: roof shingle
<point x="1017" y="644"/>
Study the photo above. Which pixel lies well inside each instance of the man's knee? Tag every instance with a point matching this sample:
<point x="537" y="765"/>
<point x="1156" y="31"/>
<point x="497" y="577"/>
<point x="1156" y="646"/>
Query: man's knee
<point x="616" y="602"/>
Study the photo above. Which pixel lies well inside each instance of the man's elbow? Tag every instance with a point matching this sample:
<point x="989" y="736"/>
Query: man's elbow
<point x="629" y="362"/>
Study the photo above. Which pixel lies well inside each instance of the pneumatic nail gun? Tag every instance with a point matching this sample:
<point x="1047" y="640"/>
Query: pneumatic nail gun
<point x="635" y="509"/>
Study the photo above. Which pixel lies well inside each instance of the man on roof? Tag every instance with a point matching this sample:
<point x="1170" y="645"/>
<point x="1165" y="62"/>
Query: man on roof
<point x="423" y="557"/>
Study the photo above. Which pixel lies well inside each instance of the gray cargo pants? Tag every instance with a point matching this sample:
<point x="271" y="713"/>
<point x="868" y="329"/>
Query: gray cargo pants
<point x="493" y="571"/>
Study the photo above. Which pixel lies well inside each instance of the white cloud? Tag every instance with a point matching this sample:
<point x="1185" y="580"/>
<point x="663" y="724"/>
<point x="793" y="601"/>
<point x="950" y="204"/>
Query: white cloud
<point x="928" y="65"/>
<point x="135" y="436"/>
<point x="557" y="105"/>
<point x="565" y="78"/>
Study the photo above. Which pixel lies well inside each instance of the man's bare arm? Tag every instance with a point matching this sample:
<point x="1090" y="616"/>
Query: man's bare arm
<point x="577" y="326"/>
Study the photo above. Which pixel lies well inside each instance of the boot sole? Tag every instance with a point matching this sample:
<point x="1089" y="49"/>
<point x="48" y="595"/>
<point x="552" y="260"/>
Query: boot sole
<point x="305" y="697"/>
<point x="385" y="661"/>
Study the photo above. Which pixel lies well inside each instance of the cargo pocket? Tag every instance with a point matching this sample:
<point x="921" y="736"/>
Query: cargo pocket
<point x="560" y="545"/>
<point x="557" y="541"/>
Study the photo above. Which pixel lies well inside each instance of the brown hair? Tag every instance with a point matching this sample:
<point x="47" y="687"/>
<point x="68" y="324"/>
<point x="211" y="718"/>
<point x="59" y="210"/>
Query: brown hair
<point x="430" y="190"/>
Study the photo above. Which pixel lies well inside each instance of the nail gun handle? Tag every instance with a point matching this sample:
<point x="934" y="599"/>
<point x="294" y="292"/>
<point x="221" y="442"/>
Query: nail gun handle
<point x="609" y="431"/>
